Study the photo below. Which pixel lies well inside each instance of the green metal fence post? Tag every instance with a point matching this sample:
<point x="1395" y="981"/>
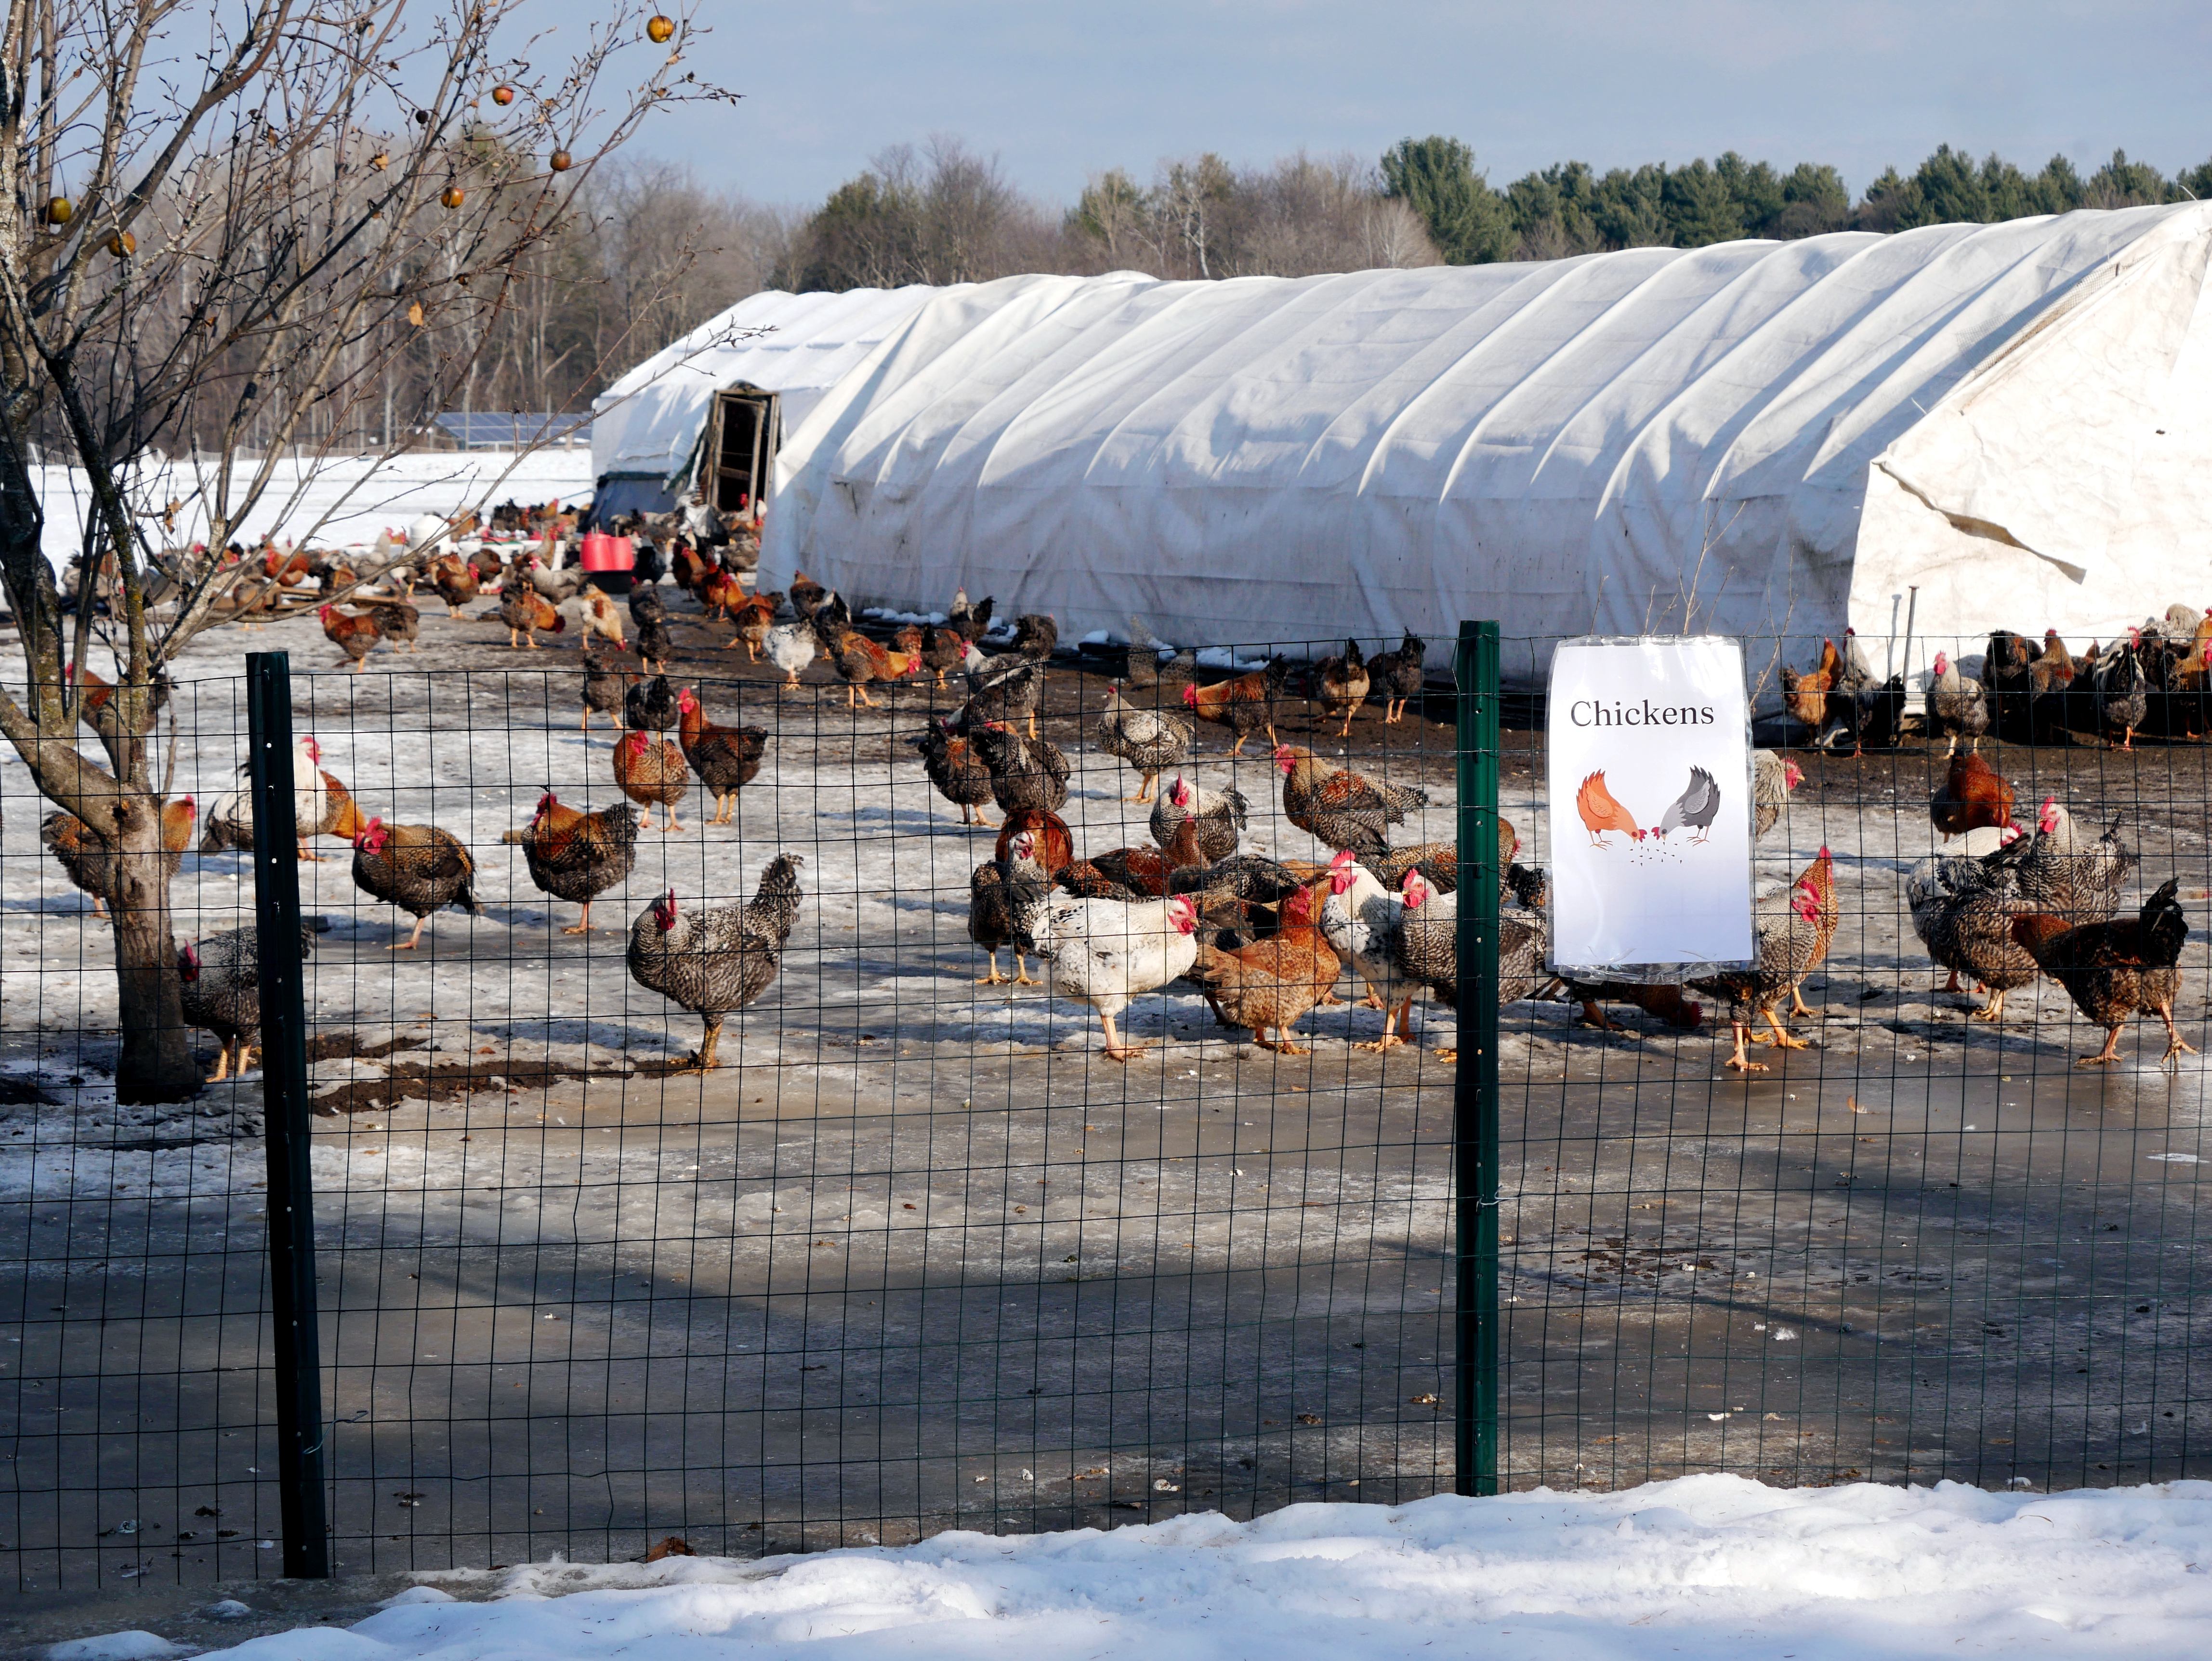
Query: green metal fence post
<point x="1475" y="1092"/>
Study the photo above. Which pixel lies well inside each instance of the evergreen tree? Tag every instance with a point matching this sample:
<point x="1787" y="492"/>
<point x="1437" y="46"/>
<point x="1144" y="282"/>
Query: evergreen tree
<point x="1435" y="176"/>
<point x="1699" y="209"/>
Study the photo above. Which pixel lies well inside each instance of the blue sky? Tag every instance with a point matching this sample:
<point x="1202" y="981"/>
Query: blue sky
<point x="1059" y="90"/>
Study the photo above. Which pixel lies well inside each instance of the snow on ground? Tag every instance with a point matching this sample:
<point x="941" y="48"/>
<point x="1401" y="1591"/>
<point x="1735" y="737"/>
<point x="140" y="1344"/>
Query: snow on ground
<point x="342" y="502"/>
<point x="1708" y="1566"/>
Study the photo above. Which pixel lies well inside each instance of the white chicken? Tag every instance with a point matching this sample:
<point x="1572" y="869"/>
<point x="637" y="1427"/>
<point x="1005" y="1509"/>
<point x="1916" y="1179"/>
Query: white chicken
<point x="790" y="647"/>
<point x="229" y="821"/>
<point x="1105" y="953"/>
<point x="1362" y="920"/>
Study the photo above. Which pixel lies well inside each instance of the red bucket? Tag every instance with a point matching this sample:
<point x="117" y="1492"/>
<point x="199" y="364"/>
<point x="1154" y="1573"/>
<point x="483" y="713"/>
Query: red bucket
<point x="602" y="552"/>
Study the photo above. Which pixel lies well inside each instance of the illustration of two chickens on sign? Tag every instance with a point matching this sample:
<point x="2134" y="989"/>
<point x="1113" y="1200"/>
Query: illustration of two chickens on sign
<point x="1693" y="810"/>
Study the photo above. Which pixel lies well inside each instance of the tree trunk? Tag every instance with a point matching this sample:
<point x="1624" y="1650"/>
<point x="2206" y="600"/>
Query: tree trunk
<point x="156" y="1064"/>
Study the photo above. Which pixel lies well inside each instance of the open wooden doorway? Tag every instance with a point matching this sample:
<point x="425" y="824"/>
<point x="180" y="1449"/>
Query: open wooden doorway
<point x="748" y="427"/>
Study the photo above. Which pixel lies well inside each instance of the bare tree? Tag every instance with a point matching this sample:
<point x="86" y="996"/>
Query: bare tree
<point x="229" y="219"/>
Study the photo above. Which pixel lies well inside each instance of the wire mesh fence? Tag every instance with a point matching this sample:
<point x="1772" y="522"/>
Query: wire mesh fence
<point x="918" y="1253"/>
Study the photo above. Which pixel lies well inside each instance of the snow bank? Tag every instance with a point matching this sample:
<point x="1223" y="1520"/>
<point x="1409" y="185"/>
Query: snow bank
<point x="1708" y="1566"/>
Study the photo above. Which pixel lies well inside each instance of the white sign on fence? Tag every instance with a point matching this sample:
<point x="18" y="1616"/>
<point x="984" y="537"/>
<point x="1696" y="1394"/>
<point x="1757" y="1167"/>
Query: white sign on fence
<point x="1650" y="751"/>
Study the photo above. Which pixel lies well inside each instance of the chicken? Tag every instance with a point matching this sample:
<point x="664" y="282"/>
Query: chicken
<point x="2121" y="692"/>
<point x="2116" y="970"/>
<point x="1244" y="705"/>
<point x="998" y="892"/>
<point x="95" y="867"/>
<point x="1694" y="809"/>
<point x="646" y="605"/>
<point x="942" y="651"/>
<point x="1805" y="695"/>
<point x="1003" y="689"/>
<point x="689" y="568"/>
<point x="1152" y="685"/>
<point x="1602" y="814"/>
<point x="1399" y="674"/>
<point x="1361" y="919"/>
<point x="1428" y="946"/>
<point x="1792" y="931"/>
<point x="230" y="816"/>
<point x="806" y="595"/>
<point x="1962" y="910"/>
<point x="603" y="686"/>
<point x="527" y="613"/>
<point x="1048" y="833"/>
<point x="1222" y="817"/>
<point x="1773" y="777"/>
<point x="752" y="618"/>
<point x="577" y="856"/>
<point x="1972" y="795"/>
<point x="2006" y="667"/>
<point x="954" y="771"/>
<point x="1342" y="683"/>
<point x="1152" y="741"/>
<point x="396" y="620"/>
<point x="969" y="622"/>
<point x="1956" y="707"/>
<point x="650" y="705"/>
<point x="2050" y="688"/>
<point x="341" y="814"/>
<point x="489" y="572"/>
<point x="721" y="593"/>
<point x="220" y="984"/>
<point x="2062" y="873"/>
<point x="355" y="636"/>
<point x="858" y="661"/>
<point x="713" y="959"/>
<point x="1105" y="953"/>
<point x="1269" y="985"/>
<point x="1147" y="870"/>
<point x="1025" y="772"/>
<point x="790" y="647"/>
<point x="597" y="615"/>
<point x="417" y="867"/>
<point x="96" y="697"/>
<point x="725" y="758"/>
<point x="656" y="642"/>
<point x="456" y="583"/>
<point x="651" y="770"/>
<point x="1344" y="809"/>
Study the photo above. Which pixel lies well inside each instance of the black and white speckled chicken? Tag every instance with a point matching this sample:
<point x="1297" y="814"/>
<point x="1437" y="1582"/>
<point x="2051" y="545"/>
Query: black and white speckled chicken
<point x="1025" y="772"/>
<point x="714" y="959"/>
<point x="1222" y="816"/>
<point x="650" y="705"/>
<point x="1150" y="740"/>
<point x="220" y="982"/>
<point x="999" y="891"/>
<point x="1792" y="930"/>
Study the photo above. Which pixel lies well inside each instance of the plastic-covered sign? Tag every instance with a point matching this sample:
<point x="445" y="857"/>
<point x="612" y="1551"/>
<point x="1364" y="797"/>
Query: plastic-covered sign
<point x="1650" y="751"/>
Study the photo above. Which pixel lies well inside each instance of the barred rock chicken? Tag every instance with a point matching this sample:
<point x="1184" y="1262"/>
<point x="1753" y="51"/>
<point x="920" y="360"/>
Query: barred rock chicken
<point x="1428" y="946"/>
<point x="1150" y="740"/>
<point x="417" y="867"/>
<point x="1973" y="796"/>
<point x="2121" y="692"/>
<point x="1439" y="863"/>
<point x="2113" y="970"/>
<point x="1270" y="985"/>
<point x="396" y="620"/>
<point x="725" y="758"/>
<point x="1772" y="778"/>
<point x="1956" y="707"/>
<point x="998" y="890"/>
<point x="649" y="706"/>
<point x="220" y="982"/>
<point x="1343" y="809"/>
<point x="2063" y="871"/>
<point x="577" y="856"/>
<point x="651" y="770"/>
<point x="1025" y="772"/>
<point x="713" y="959"/>
<point x="1361" y="919"/>
<point x="1151" y="683"/>
<point x="1342" y="683"/>
<point x="1244" y="705"/>
<point x="1222" y="817"/>
<point x="1805" y="695"/>
<point x="1105" y="953"/>
<point x="456" y="583"/>
<point x="526" y="614"/>
<point x="603" y="687"/>
<point x="1399" y="674"/>
<point x="355" y="636"/>
<point x="1054" y="846"/>
<point x="1962" y="910"/>
<point x="230" y="816"/>
<point x="954" y="771"/>
<point x="1792" y="932"/>
<point x="97" y="867"/>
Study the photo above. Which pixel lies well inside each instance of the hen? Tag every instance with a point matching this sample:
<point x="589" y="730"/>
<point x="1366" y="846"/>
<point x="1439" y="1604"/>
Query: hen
<point x="649" y="706"/>
<point x="2113" y="970"/>
<point x="2065" y="873"/>
<point x="725" y="758"/>
<point x="2121" y="692"/>
<point x="527" y="613"/>
<point x="651" y="771"/>
<point x="1399" y="674"/>
<point x="955" y="772"/>
<point x="97" y="867"/>
<point x="1147" y="870"/>
<point x="1694" y="809"/>
<point x="599" y="619"/>
<point x="230" y="816"/>
<point x="1973" y="796"/>
<point x="713" y="959"/>
<point x="1054" y="847"/>
<point x="1345" y="810"/>
<point x="969" y="622"/>
<point x="1343" y="684"/>
<point x="1025" y="772"/>
<point x="1428" y="940"/>
<point x="1150" y="740"/>
<point x="417" y="867"/>
<point x="1773" y="777"/>
<point x="220" y="985"/>
<point x="396" y="620"/>
<point x="998" y="890"/>
<point x="753" y="618"/>
<point x="1956" y="707"/>
<point x="857" y="659"/>
<point x="1001" y="688"/>
<point x="1805" y="695"/>
<point x="806" y="594"/>
<point x="1962" y="910"/>
<point x="1792" y="932"/>
<point x="355" y="636"/>
<point x="577" y="856"/>
<point x="603" y="686"/>
<point x="1222" y="817"/>
<point x="656" y="644"/>
<point x="1602" y="814"/>
<point x="1270" y="985"/>
<point x="1244" y="705"/>
<point x="1362" y="920"/>
<point x="790" y="647"/>
<point x="1105" y="953"/>
<point x="456" y="583"/>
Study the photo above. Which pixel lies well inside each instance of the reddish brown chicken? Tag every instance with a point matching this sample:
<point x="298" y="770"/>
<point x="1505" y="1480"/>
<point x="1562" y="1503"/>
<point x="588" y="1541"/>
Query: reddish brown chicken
<point x="1806" y="696"/>
<point x="859" y="660"/>
<point x="1270" y="985"/>
<point x="753" y="617"/>
<point x="1147" y="870"/>
<point x="527" y="612"/>
<point x="652" y="771"/>
<point x="456" y="583"/>
<point x="1974" y="797"/>
<point x="1055" y="848"/>
<point x="1245" y="705"/>
<point x="95" y="867"/>
<point x="721" y="593"/>
<point x="356" y="636"/>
